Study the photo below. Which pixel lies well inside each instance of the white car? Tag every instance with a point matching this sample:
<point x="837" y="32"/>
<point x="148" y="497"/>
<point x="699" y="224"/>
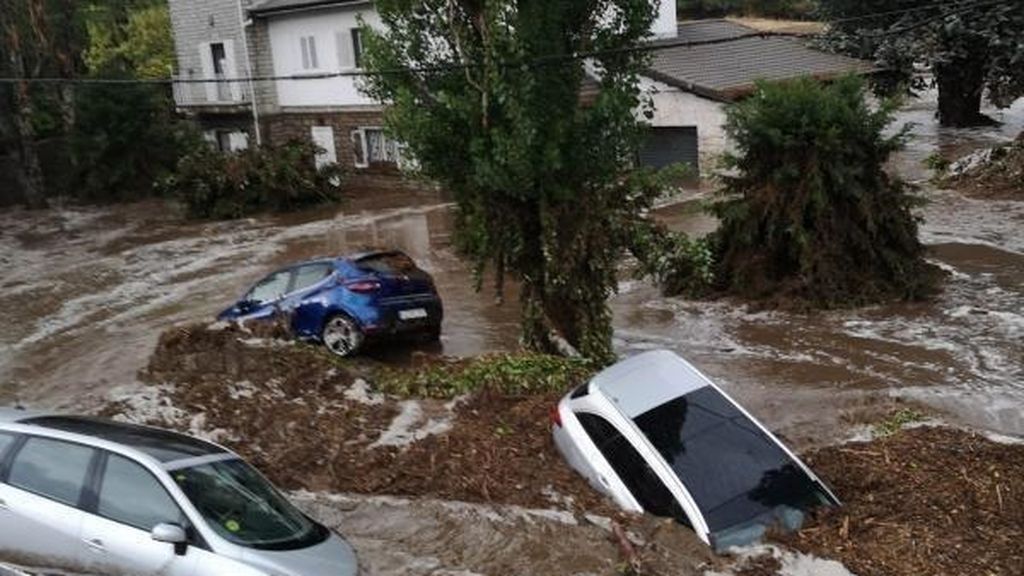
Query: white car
<point x="91" y="496"/>
<point x="657" y="436"/>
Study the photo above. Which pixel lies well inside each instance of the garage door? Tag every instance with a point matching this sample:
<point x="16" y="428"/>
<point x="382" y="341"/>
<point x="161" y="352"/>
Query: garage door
<point x="670" y="145"/>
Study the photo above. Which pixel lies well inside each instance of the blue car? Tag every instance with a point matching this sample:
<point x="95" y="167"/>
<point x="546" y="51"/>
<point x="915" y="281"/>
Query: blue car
<point x="346" y="302"/>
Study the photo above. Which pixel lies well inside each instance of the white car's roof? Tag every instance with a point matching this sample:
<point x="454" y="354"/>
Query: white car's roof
<point x="647" y="380"/>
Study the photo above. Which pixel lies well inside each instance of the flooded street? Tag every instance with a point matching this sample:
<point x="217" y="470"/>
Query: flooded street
<point x="86" y="291"/>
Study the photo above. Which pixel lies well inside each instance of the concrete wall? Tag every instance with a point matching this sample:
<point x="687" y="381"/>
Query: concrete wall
<point x="331" y="29"/>
<point x="665" y="24"/>
<point x="673" y="107"/>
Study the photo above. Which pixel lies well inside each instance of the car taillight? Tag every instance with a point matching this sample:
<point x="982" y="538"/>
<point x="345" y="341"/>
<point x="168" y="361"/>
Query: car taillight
<point x="363" y="286"/>
<point x="556" y="416"/>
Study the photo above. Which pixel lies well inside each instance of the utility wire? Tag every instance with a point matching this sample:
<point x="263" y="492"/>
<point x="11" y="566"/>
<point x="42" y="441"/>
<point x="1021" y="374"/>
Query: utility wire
<point x="652" y="46"/>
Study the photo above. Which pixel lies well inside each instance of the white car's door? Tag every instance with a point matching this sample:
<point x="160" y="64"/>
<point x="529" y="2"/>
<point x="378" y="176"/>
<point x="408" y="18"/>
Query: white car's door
<point x="40" y="523"/>
<point x="116" y="538"/>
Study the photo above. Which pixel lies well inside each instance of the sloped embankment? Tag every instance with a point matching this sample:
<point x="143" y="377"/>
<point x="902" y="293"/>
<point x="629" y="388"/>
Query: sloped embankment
<point x="926" y="500"/>
<point x="996" y="173"/>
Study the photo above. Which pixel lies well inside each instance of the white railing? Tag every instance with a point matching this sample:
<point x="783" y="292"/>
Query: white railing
<point x="199" y="92"/>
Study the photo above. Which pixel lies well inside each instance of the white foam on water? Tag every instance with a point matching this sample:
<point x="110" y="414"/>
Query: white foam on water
<point x="792" y="563"/>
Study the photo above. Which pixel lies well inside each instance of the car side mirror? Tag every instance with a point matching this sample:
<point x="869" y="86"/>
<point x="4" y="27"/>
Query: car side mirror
<point x="171" y="534"/>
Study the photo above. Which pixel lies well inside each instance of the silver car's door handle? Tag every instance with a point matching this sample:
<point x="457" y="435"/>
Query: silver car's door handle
<point x="3" y="505"/>
<point x="96" y="545"/>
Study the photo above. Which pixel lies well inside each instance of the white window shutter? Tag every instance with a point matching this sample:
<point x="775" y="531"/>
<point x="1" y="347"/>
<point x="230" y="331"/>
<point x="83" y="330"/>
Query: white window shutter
<point x="360" y="159"/>
<point x="206" y="58"/>
<point x="346" y="59"/>
<point x="323" y="137"/>
<point x="231" y="70"/>
<point x="238" y="141"/>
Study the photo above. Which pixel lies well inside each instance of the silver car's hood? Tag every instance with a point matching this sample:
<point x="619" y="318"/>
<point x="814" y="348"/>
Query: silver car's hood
<point x="332" y="557"/>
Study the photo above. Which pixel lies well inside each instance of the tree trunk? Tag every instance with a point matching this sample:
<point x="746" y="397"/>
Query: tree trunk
<point x="33" y="187"/>
<point x="31" y="171"/>
<point x="961" y="83"/>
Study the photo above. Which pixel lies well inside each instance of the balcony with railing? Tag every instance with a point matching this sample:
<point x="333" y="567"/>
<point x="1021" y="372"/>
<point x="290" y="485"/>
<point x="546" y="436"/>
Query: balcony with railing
<point x="214" y="95"/>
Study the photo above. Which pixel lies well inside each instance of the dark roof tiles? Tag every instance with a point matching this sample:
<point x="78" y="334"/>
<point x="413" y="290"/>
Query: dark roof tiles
<point x="728" y="68"/>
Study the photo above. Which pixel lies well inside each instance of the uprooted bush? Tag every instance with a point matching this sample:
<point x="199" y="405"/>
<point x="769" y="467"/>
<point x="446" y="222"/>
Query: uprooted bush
<point x="809" y="214"/>
<point x="268" y="178"/>
<point x="679" y="264"/>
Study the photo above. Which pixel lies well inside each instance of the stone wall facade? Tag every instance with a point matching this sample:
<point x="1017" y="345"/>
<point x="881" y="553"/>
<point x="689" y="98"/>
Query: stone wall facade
<point x="295" y="124"/>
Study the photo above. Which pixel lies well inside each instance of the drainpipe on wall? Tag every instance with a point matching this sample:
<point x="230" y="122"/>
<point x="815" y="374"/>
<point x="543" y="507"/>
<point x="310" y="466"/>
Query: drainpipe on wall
<point x="244" y="24"/>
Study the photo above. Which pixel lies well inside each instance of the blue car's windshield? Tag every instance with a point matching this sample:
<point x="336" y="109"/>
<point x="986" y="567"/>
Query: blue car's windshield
<point x="244" y="508"/>
<point x="734" y="471"/>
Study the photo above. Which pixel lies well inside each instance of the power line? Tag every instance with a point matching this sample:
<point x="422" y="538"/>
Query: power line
<point x="653" y="46"/>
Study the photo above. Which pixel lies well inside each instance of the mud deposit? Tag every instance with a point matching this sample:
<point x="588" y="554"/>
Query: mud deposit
<point x="313" y="422"/>
<point x="927" y="500"/>
<point x="477" y="482"/>
<point x="992" y="172"/>
<point x="397" y="536"/>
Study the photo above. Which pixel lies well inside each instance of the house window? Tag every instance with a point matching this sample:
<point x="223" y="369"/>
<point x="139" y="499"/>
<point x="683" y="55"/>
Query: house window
<point x="357" y="48"/>
<point x="309" y="59"/>
<point x="323" y="138"/>
<point x="373" y="146"/>
<point x="227" y="140"/>
<point x="220" y="56"/>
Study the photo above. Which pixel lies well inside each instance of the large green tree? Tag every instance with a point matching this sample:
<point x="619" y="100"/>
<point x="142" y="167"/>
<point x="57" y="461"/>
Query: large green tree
<point x="485" y="94"/>
<point x="37" y="38"/>
<point x="128" y="135"/>
<point x="971" y="47"/>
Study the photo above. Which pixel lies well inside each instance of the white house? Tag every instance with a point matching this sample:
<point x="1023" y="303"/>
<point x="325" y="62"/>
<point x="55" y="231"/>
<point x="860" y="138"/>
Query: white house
<point x="225" y="39"/>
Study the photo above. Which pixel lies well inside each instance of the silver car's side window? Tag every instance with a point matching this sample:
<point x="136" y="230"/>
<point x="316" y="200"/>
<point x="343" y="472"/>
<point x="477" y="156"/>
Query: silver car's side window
<point x="51" y="468"/>
<point x="131" y="495"/>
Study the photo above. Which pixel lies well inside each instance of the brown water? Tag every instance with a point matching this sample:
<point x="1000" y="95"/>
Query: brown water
<point x="86" y="291"/>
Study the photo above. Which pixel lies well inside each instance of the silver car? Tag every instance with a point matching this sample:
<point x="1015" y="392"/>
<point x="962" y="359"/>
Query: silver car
<point x="88" y="495"/>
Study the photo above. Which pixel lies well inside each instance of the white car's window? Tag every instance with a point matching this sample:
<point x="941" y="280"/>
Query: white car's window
<point x="271" y="288"/>
<point x="645" y="485"/>
<point x="51" y="468"/>
<point x="131" y="495"/>
<point x="310" y="274"/>
<point x="734" y="471"/>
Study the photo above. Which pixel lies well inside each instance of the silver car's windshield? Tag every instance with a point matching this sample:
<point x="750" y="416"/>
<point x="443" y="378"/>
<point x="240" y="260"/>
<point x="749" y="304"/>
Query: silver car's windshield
<point x="242" y="507"/>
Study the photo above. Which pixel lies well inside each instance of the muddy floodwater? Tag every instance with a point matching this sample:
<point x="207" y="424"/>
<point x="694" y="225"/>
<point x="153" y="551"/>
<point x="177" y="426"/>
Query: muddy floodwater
<point x="85" y="292"/>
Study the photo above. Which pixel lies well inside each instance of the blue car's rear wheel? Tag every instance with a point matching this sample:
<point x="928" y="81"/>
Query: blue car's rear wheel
<point x="341" y="335"/>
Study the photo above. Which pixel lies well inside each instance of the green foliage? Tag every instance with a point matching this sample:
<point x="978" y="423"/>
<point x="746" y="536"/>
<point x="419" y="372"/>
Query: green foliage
<point x="811" y="214"/>
<point x="127" y="136"/>
<point x="972" y="47"/>
<point x="678" y="264"/>
<point x="279" y="179"/>
<point x="937" y="162"/>
<point x="543" y="182"/>
<point x="126" y="139"/>
<point x="898" y="421"/>
<point x="144" y="44"/>
<point x="519" y="374"/>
